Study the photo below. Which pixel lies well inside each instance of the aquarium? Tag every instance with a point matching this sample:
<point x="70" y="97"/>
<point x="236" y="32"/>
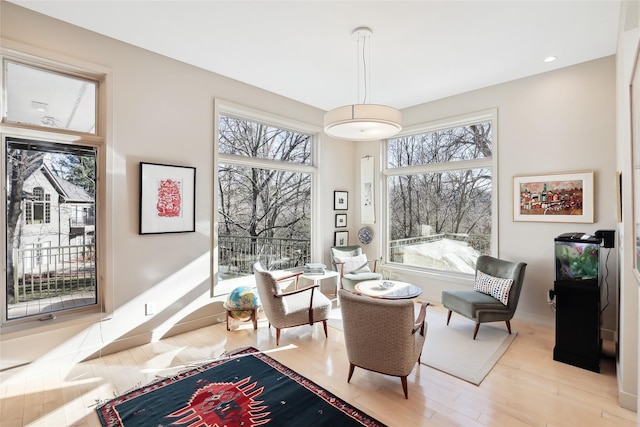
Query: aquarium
<point x="577" y="256"/>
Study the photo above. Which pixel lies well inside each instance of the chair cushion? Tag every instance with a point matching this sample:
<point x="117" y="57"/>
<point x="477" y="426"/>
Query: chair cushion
<point x="354" y="264"/>
<point x="467" y="303"/>
<point x="297" y="309"/>
<point x="494" y="286"/>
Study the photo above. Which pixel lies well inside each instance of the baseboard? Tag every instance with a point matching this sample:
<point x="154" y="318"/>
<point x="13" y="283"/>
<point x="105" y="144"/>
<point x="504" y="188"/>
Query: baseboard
<point x="125" y="343"/>
<point x="628" y="401"/>
<point x="608" y="335"/>
<point x="147" y="337"/>
<point x="536" y="319"/>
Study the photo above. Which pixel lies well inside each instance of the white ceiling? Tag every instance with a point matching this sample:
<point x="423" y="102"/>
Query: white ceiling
<point x="420" y="50"/>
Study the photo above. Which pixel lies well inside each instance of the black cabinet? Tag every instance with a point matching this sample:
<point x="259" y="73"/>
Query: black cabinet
<point x="578" y="340"/>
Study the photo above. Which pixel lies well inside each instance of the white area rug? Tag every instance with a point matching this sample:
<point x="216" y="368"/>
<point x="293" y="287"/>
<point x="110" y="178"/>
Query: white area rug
<point x="451" y="349"/>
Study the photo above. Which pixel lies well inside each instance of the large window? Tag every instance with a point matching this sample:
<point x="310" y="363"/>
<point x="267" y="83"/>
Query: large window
<point x="264" y="189"/>
<point x="50" y="191"/>
<point x="439" y="191"/>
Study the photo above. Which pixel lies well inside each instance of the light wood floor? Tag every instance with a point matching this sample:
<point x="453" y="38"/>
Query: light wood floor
<point x="525" y="388"/>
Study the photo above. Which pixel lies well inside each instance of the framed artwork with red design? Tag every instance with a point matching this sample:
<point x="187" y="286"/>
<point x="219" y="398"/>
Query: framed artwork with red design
<point x="167" y="198"/>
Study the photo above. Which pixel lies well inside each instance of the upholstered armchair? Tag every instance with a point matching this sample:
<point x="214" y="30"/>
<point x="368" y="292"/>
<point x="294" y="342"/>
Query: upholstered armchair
<point x="292" y="308"/>
<point x="353" y="266"/>
<point x="382" y="335"/>
<point x="495" y="294"/>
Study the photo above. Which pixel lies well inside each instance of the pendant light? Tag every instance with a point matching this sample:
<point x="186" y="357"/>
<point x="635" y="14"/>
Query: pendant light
<point x="362" y="122"/>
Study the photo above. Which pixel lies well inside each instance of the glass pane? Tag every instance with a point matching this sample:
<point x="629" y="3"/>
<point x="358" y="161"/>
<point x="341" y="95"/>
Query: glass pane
<point x="265" y="215"/>
<point x="449" y="145"/>
<point x="440" y="220"/>
<point x="43" y="98"/>
<point x="51" y="247"/>
<point x="245" y="138"/>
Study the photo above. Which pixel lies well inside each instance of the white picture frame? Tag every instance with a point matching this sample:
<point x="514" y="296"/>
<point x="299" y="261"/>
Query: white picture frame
<point x="558" y="197"/>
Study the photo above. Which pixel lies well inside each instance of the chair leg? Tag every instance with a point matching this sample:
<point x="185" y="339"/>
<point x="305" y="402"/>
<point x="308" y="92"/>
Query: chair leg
<point x="508" y="326"/>
<point x="475" y="331"/>
<point x="351" y="368"/>
<point x="404" y="386"/>
<point x="448" y="317"/>
<point x="277" y="336"/>
<point x="254" y="318"/>
<point x="324" y="325"/>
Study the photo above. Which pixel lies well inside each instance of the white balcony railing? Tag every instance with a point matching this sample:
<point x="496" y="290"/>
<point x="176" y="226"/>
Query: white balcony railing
<point x="53" y="271"/>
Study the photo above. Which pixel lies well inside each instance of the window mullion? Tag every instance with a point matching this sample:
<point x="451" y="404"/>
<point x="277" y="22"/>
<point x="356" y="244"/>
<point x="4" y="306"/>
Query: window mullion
<point x="485" y="162"/>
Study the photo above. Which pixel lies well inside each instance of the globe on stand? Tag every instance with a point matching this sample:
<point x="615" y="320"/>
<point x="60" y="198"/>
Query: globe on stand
<point x="241" y="301"/>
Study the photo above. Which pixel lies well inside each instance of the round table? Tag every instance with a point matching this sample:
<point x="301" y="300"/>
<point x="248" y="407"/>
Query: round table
<point x="399" y="290"/>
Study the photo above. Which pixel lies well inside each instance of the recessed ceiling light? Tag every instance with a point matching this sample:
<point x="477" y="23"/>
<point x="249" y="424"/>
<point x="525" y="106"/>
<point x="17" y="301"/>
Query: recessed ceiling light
<point x="550" y="58"/>
<point x="39" y="106"/>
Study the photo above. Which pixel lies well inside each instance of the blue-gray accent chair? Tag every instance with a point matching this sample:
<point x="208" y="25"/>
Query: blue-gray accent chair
<point x="482" y="308"/>
<point x="349" y="276"/>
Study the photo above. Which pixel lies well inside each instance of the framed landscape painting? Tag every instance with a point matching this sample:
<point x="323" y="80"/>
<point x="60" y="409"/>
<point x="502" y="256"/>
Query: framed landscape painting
<point x="167" y="198"/>
<point x="562" y="197"/>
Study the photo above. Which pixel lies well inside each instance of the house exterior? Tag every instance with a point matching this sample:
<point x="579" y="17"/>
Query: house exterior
<point x="54" y="235"/>
<point x="55" y="213"/>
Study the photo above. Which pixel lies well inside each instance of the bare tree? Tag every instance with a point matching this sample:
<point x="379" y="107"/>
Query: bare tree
<point x="21" y="165"/>
<point x="263" y="202"/>
<point x="451" y="201"/>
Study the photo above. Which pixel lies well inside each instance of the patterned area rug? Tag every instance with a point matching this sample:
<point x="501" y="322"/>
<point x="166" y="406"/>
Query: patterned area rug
<point x="246" y="389"/>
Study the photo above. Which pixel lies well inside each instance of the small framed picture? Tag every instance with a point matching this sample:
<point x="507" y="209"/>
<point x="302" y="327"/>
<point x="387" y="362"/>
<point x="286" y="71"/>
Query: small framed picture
<point x="340" y="200"/>
<point x="341" y="238"/>
<point x="341" y="220"/>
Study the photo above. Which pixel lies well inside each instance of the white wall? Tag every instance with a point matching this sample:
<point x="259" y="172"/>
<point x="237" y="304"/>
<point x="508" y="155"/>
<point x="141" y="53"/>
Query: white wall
<point x="161" y="111"/>
<point x="561" y="121"/>
<point x="627" y="354"/>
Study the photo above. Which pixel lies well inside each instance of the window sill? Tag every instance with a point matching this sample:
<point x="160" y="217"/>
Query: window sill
<point x="38" y="325"/>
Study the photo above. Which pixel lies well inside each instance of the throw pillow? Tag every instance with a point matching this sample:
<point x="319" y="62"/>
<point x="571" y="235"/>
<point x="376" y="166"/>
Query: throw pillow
<point x="495" y="286"/>
<point x="354" y="264"/>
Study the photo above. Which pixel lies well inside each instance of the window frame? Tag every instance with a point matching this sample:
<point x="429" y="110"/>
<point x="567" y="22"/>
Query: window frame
<point x="223" y="107"/>
<point x="491" y="163"/>
<point x="97" y="141"/>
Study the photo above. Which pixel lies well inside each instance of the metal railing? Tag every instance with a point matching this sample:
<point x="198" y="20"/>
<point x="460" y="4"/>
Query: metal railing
<point x="53" y="271"/>
<point x="237" y="254"/>
<point x="82" y="222"/>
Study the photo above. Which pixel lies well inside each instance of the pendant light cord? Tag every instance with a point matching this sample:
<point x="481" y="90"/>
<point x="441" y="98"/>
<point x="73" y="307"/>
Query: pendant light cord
<point x="362" y="44"/>
<point x="364" y="69"/>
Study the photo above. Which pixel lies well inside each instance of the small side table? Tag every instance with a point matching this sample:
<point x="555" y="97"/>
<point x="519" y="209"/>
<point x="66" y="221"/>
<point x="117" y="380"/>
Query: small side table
<point x="318" y="279"/>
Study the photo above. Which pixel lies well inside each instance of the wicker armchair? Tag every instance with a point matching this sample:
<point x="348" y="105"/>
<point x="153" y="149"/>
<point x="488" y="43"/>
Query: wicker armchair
<point x="292" y="308"/>
<point x="381" y="335"/>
